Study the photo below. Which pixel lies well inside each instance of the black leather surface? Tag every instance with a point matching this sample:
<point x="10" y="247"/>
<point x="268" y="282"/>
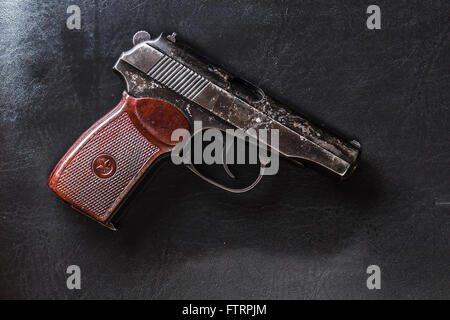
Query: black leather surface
<point x="298" y="235"/>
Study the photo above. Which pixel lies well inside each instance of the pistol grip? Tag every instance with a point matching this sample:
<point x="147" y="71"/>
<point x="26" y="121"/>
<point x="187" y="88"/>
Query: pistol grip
<point x="107" y="161"/>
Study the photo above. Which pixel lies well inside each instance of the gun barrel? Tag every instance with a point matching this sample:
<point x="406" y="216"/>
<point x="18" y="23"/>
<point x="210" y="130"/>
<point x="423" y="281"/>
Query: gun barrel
<point x="245" y="107"/>
<point x="298" y="138"/>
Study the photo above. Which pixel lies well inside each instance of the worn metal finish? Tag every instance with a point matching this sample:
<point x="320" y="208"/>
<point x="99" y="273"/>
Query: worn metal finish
<point x="208" y="93"/>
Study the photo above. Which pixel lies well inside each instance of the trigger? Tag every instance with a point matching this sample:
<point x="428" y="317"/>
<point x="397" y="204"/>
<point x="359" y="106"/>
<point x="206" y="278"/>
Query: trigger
<point x="233" y="190"/>
<point x="227" y="170"/>
<point x="225" y="165"/>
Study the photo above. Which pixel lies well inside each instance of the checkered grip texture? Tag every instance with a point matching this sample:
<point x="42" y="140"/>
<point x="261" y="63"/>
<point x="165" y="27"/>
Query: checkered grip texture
<point x="131" y="151"/>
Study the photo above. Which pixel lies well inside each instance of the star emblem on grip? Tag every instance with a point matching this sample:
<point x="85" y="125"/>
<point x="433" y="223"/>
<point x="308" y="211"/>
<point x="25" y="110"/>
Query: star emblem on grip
<point x="104" y="166"/>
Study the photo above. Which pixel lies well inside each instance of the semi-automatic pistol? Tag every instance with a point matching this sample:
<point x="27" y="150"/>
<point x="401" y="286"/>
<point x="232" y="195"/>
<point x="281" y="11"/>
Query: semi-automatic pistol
<point x="168" y="87"/>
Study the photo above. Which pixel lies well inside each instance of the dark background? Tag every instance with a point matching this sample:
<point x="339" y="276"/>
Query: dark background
<point x="298" y="235"/>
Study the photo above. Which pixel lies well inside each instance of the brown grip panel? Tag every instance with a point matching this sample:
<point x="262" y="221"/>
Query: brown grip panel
<point x="104" y="164"/>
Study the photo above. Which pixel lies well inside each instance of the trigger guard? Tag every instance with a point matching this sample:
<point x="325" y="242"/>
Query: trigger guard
<point x="229" y="173"/>
<point x="221" y="186"/>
